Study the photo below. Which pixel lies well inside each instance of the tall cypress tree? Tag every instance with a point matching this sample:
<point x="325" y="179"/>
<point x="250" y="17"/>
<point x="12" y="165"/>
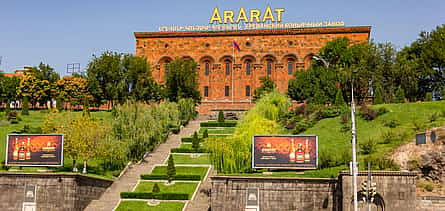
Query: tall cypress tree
<point x="378" y="95"/>
<point x="25" y="106"/>
<point x="171" y="171"/>
<point x="339" y="100"/>
<point x="400" y="95"/>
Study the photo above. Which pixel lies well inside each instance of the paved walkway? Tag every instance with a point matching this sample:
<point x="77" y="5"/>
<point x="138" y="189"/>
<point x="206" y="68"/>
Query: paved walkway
<point x="110" y="198"/>
<point x="201" y="202"/>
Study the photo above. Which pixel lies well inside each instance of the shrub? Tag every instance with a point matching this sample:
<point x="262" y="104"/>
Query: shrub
<point x="14" y="121"/>
<point x="339" y="100"/>
<point x="344" y="119"/>
<point x="188" y="177"/>
<point x="59" y="104"/>
<point x="413" y="164"/>
<point x="195" y="141"/>
<point x="159" y="196"/>
<point x="156" y="188"/>
<point x="327" y="159"/>
<point x="187" y="150"/>
<point x="391" y="123"/>
<point x="11" y="115"/>
<point x="433" y="117"/>
<point x="378" y="95"/>
<point x="218" y="124"/>
<point x="25" y="106"/>
<point x="175" y="130"/>
<point x="379" y="162"/>
<point x="333" y="111"/>
<point x="428" y="97"/>
<point x="171" y="171"/>
<point x="418" y="125"/>
<point x="367" y="113"/>
<point x="205" y="134"/>
<point x="302" y="126"/>
<point x="429" y="187"/>
<point x="186" y="110"/>
<point x="388" y="137"/>
<point x="381" y="111"/>
<point x="369" y="146"/>
<point x="400" y="95"/>
<point x="220" y="116"/>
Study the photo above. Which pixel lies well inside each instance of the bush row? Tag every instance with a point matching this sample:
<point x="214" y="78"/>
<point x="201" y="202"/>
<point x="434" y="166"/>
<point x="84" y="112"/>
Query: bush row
<point x="218" y="124"/>
<point x="187" y="150"/>
<point x="149" y="195"/>
<point x="188" y="139"/>
<point x="190" y="177"/>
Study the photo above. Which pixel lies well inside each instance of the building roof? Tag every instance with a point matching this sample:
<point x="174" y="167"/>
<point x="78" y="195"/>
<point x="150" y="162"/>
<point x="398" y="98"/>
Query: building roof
<point x="292" y="31"/>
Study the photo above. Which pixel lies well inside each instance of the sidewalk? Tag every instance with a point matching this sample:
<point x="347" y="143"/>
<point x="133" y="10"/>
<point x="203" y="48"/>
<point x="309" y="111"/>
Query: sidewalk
<point x="111" y="197"/>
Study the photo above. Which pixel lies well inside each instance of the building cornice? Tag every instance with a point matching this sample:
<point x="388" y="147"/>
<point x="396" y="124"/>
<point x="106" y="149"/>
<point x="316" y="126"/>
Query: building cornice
<point x="296" y="31"/>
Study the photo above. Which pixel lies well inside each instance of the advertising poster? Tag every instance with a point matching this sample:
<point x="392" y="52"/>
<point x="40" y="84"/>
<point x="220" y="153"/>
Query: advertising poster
<point x="285" y="152"/>
<point x="34" y="150"/>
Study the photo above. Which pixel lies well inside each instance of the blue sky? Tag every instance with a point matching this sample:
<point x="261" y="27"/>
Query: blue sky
<point x="58" y="32"/>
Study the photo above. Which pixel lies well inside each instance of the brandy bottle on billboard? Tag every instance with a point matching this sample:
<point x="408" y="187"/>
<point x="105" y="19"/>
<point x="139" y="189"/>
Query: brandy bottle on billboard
<point x="15" y="153"/>
<point x="292" y="152"/>
<point x="28" y="150"/>
<point x="300" y="154"/>
<point x="307" y="155"/>
<point x="22" y="151"/>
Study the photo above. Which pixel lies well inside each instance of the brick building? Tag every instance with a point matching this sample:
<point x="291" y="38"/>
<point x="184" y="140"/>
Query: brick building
<point x="227" y="78"/>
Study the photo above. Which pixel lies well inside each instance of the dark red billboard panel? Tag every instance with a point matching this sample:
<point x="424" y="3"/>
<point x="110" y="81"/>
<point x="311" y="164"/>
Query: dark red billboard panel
<point x="285" y="152"/>
<point x="34" y="150"/>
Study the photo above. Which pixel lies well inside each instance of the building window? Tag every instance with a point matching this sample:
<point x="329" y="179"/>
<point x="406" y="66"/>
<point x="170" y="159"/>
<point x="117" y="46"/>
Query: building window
<point x="248" y="68"/>
<point x="207" y="68"/>
<point x="226" y="91"/>
<point x="247" y="91"/>
<point x="228" y="67"/>
<point x="269" y="67"/>
<point x="290" y="67"/>
<point x="206" y="91"/>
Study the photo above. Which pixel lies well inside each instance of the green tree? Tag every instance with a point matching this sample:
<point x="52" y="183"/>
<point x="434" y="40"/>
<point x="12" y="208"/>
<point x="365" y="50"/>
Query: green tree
<point x="400" y="95"/>
<point x="25" y="106"/>
<point x="182" y="80"/>
<point x="267" y="85"/>
<point x="205" y="134"/>
<point x="8" y="89"/>
<point x="46" y="78"/>
<point x="428" y="97"/>
<point x="171" y="171"/>
<point x="220" y="116"/>
<point x="378" y="96"/>
<point x="339" y="98"/>
<point x="156" y="188"/>
<point x="195" y="141"/>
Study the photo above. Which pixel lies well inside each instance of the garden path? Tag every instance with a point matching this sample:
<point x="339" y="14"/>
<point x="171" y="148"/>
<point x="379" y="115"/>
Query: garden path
<point x="111" y="197"/>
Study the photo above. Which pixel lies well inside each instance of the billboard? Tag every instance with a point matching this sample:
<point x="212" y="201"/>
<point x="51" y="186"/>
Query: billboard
<point x="34" y="150"/>
<point x="285" y="152"/>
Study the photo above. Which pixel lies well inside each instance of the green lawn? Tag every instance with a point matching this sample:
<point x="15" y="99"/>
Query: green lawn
<point x="178" y="187"/>
<point x="322" y="173"/>
<point x="330" y="137"/>
<point x="35" y="119"/>
<point x="187" y="159"/>
<point x="142" y="206"/>
<point x="189" y="146"/>
<point x="182" y="170"/>
<point x="216" y="131"/>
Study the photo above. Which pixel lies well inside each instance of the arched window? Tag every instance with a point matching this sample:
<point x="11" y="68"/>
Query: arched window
<point x="248" y="64"/>
<point x="207" y="68"/>
<point x="290" y="67"/>
<point x="269" y="67"/>
<point x="228" y="67"/>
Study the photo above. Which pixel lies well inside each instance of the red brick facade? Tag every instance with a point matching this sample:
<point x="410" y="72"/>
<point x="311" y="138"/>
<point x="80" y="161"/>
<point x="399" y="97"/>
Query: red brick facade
<point x="226" y="81"/>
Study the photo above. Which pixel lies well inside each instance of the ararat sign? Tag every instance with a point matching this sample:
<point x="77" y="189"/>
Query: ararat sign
<point x="252" y="16"/>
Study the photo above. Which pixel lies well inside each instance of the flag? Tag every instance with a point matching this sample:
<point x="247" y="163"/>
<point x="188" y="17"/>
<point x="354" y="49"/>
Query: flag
<point x="236" y="46"/>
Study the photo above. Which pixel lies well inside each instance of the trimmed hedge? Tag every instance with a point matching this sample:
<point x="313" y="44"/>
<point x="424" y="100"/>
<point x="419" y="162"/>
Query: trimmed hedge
<point x="187" y="150"/>
<point x="189" y="139"/>
<point x="189" y="177"/>
<point x="149" y="195"/>
<point x="218" y="124"/>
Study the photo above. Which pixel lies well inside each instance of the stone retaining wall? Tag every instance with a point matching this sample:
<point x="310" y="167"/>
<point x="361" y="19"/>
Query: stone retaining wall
<point x="53" y="191"/>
